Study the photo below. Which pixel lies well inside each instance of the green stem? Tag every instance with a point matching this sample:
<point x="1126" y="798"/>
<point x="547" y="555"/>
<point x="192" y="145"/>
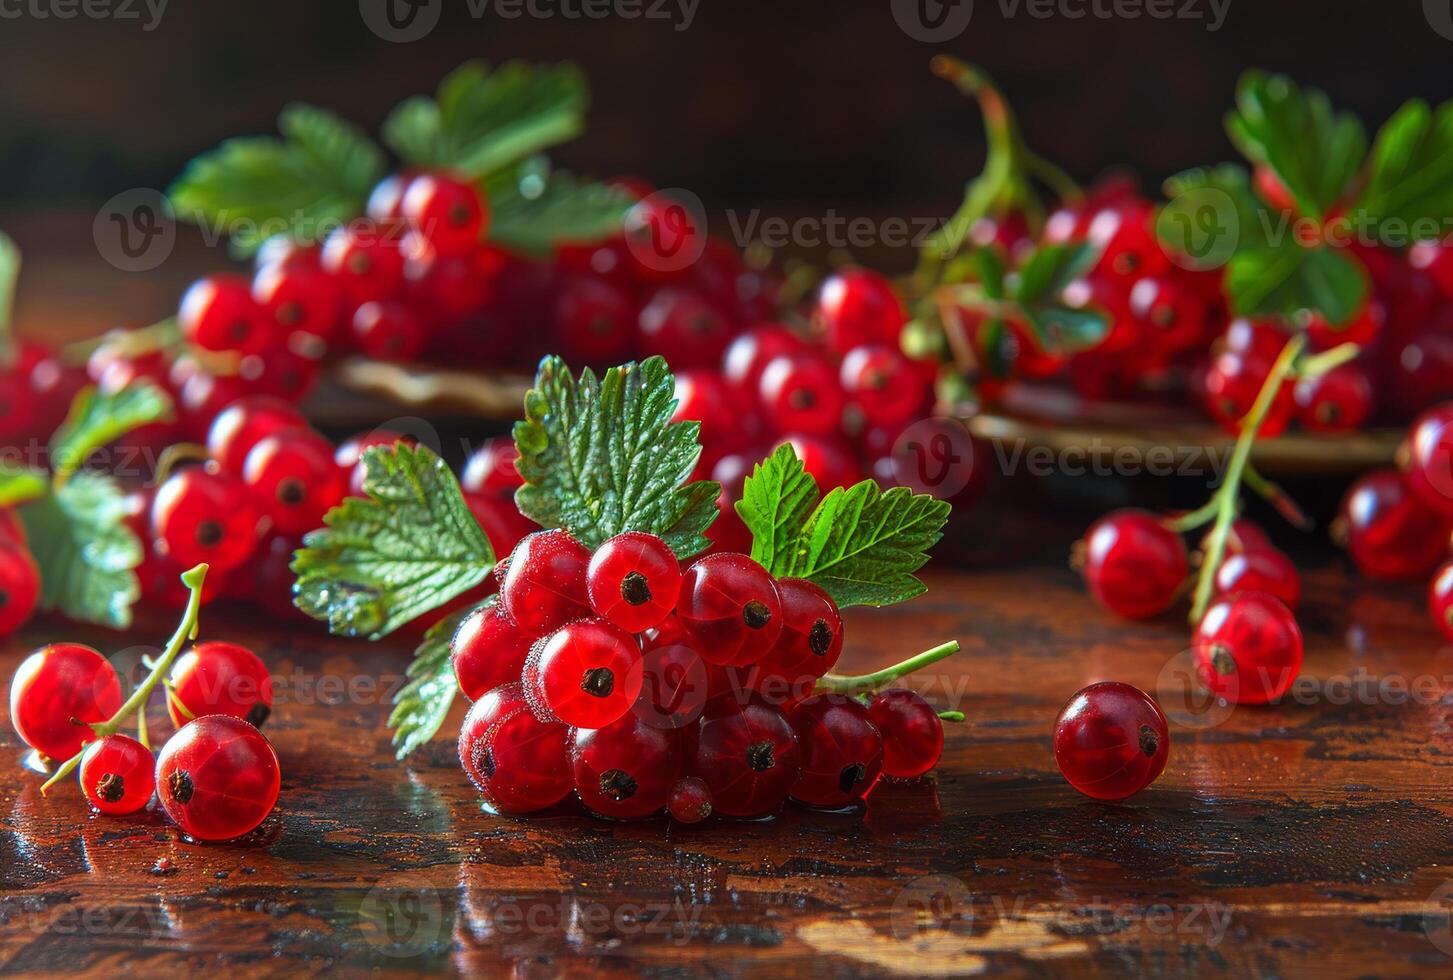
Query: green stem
<point x="1319" y="364"/>
<point x="865" y="683"/>
<point x="186" y="630"/>
<point x="1204" y="514"/>
<point x="951" y="716"/>
<point x="1278" y="498"/>
<point x="9" y="275"/>
<point x="1227" y="494"/>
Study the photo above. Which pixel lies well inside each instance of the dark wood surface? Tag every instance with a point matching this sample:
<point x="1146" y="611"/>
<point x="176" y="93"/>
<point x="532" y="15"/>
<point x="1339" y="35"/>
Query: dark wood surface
<point x="1311" y="838"/>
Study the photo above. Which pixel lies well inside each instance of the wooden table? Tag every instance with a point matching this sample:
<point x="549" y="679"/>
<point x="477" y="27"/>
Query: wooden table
<point x="1314" y="838"/>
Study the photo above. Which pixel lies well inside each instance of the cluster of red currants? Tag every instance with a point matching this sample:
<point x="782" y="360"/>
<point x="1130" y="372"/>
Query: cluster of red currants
<point x="216" y="778"/>
<point x="641" y="686"/>
<point x="19" y="575"/>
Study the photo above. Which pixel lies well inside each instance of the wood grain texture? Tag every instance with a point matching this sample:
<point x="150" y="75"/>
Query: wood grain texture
<point x="1311" y="838"/>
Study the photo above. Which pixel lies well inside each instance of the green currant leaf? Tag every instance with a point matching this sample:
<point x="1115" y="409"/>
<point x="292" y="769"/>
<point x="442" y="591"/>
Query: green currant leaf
<point x="422" y="704"/>
<point x="602" y="456"/>
<point x="96" y="420"/>
<point x="535" y="213"/>
<point x="321" y="171"/>
<point x="991" y="343"/>
<point x="1314" y="151"/>
<point x="21" y="484"/>
<point x="1065" y="330"/>
<point x="481" y="120"/>
<point x="86" y="553"/>
<point x="988" y="268"/>
<point x="861" y="544"/>
<point x="1209" y="213"/>
<point x="1410" y="177"/>
<point x="1288" y="279"/>
<point x="1044" y="274"/>
<point x="385" y="560"/>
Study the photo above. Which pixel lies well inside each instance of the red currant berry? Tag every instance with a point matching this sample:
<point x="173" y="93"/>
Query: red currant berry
<point x="810" y="643"/>
<point x="204" y="396"/>
<point x="662" y="239"/>
<point x="829" y="461"/>
<point x="595" y="320"/>
<point x="1111" y="740"/>
<point x="912" y="732"/>
<point x="367" y="262"/>
<point x="488" y="651"/>
<point x="491" y="470"/>
<point x="118" y="775"/>
<point x="1337" y="401"/>
<point x="749" y="758"/>
<point x="348" y="457"/>
<point x="199" y="516"/>
<point x="702" y="396"/>
<point x="857" y="307"/>
<point x="500" y="520"/>
<point x="388" y="330"/>
<point x="730" y="609"/>
<point x="841" y="751"/>
<point x="1419" y="376"/>
<point x="1434" y="258"/>
<point x="1125" y="235"/>
<point x="218" y="313"/>
<point x="284" y="250"/>
<point x="1174" y="315"/>
<point x="884" y="384"/>
<point x="674" y="678"/>
<point x="293" y="478"/>
<point x="1245" y="535"/>
<point x="54" y="385"/>
<point x="545" y="586"/>
<point x="449" y="212"/>
<point x="1248" y="648"/>
<point x="519" y="763"/>
<point x="625" y="770"/>
<point x="1260" y="570"/>
<point x="216" y="678"/>
<point x="385" y="201"/>
<point x="244" y="424"/>
<point x="300" y="299"/>
<point x="1362" y="329"/>
<point x="217" y="778"/>
<point x="1231" y="386"/>
<point x="1390" y="533"/>
<point x="1134" y="565"/>
<point x="633" y="580"/>
<point x="586" y="674"/>
<point x="1440" y="600"/>
<point x="1261" y="339"/>
<point x="447" y="288"/>
<point x="690" y="800"/>
<point x="1429" y="463"/>
<point x="684" y="328"/>
<point x="749" y="355"/>
<point x="56" y="687"/>
<point x="801" y="394"/>
<point x="19" y="586"/>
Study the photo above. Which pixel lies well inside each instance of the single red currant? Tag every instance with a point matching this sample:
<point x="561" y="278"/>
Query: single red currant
<point x="449" y="212"/>
<point x="118" y="775"/>
<point x="690" y="800"/>
<point x="809" y="646"/>
<point x="595" y="320"/>
<point x="884" y="384"/>
<point x="19" y="586"/>
<point x="841" y="751"/>
<point x="674" y="679"/>
<point x="625" y="770"/>
<point x="702" y="396"/>
<point x="217" y="778"/>
<point x="749" y="355"/>
<point x="1390" y="533"/>
<point x="1248" y="648"/>
<point x="1440" y="600"/>
<point x="662" y="239"/>
<point x="218" y="313"/>
<point x="633" y="580"/>
<point x="1125" y="235"/>
<point x="1418" y="377"/>
<point x="293" y="478"/>
<point x="1362" y="329"/>
<point x="57" y="693"/>
<point x="367" y="261"/>
<point x="1429" y="458"/>
<point x="912" y="732"/>
<point x="586" y="674"/>
<point x="519" y="763"/>
<point x="216" y="678"/>
<point x="244" y="424"/>
<point x="1263" y="569"/>
<point x="1111" y="740"/>
<point x="385" y="201"/>
<point x="748" y="756"/>
<point x="447" y="288"/>
<point x="1231" y="386"/>
<point x="199" y="516"/>
<point x="1337" y="401"/>
<point x="1134" y="565"/>
<point x="800" y="393"/>
<point x="491" y="470"/>
<point x="545" y="586"/>
<point x="488" y="651"/>
<point x="300" y="298"/>
<point x="1174" y="316"/>
<point x="857" y="307"/>
<point x="388" y="330"/>
<point x="684" y="328"/>
<point x="730" y="609"/>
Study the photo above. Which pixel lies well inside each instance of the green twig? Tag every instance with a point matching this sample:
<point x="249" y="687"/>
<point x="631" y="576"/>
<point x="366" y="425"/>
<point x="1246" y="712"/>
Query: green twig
<point x="1319" y="364"/>
<point x="951" y="716"/>
<point x="866" y="683"/>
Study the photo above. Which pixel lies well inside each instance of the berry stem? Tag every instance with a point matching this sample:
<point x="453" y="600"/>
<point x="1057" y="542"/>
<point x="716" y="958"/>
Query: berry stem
<point x="951" y="716"/>
<point x="864" y="683"/>
<point x="9" y="274"/>
<point x="1191" y="520"/>
<point x="1319" y="364"/>
<point x="1227" y="494"/>
<point x="1278" y="498"/>
<point x="186" y="630"/>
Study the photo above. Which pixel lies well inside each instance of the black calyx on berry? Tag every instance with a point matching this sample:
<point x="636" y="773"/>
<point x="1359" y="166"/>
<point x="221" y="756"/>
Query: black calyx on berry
<point x="111" y="788"/>
<point x="635" y="589"/>
<point x="760" y="756"/>
<point x="819" y="638"/>
<point x="598" y="682"/>
<point x="617" y="784"/>
<point x="1149" y="741"/>
<point x="179" y="786"/>
<point x="851" y="775"/>
<point x="756" y="614"/>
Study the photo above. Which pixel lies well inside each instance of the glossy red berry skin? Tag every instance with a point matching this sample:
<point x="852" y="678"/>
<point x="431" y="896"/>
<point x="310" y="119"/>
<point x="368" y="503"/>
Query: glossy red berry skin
<point x="388" y="330"/>
<point x="702" y="396"/>
<point x="1390" y="533"/>
<point x="118" y="775"/>
<point x="544" y="587"/>
<point x="912" y="732"/>
<point x="808" y="647"/>
<point x="519" y="763"/>
<point x="491" y="469"/>
<point x="1440" y="600"/>
<point x="1129" y="250"/>
<point x="488" y="651"/>
<point x="217" y="678"/>
<point x="1247" y="535"/>
<point x="244" y="424"/>
<point x="751" y="352"/>
<point x="300" y="298"/>
<point x="368" y="262"/>
<point x="19" y="586"/>
<point x="662" y="239"/>
<point x="885" y="386"/>
<point x="1111" y="740"/>
<point x="1248" y="648"/>
<point x="683" y="327"/>
<point x="674" y="679"/>
<point x="857" y="307"/>
<point x="841" y="751"/>
<point x="447" y="211"/>
<point x="204" y="517"/>
<point x="633" y="581"/>
<point x="801" y="393"/>
<point x="218" y="313"/>
<point x="217" y="778"/>
<point x="1260" y="570"/>
<point x="730" y="609"/>
<point x="1337" y="401"/>
<point x="1134" y="565"/>
<point x="385" y="201"/>
<point x="55" y="684"/>
<point x="1231" y="386"/>
<point x="749" y="758"/>
<point x="293" y="479"/>
<point x="1429" y="466"/>
<point x="595" y="320"/>
<point x="586" y="674"/>
<point x="626" y="770"/>
<point x="690" y="800"/>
